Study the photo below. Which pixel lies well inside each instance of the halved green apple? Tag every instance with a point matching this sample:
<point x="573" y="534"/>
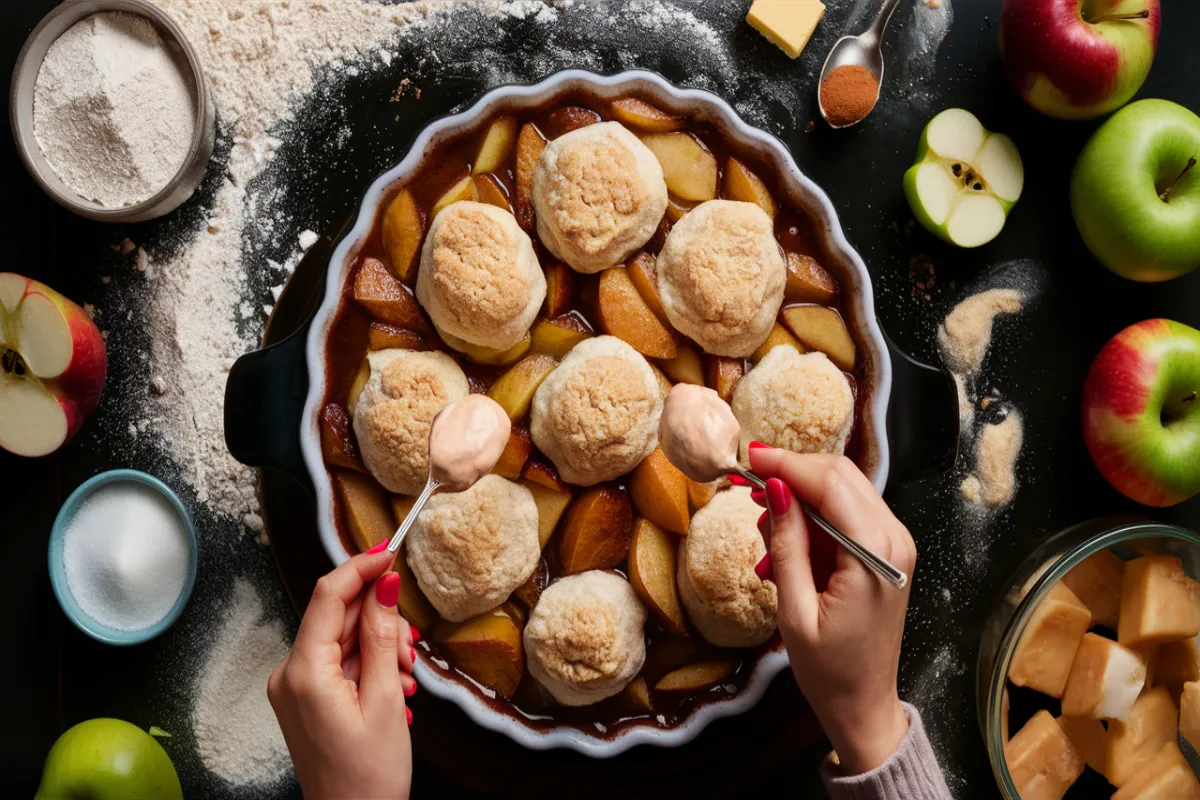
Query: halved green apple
<point x="965" y="179"/>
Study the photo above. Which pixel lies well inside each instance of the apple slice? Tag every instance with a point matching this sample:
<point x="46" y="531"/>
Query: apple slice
<point x="659" y="490"/>
<point x="385" y="298"/>
<point x="664" y="383"/>
<point x="551" y="504"/>
<point x="624" y="314"/>
<point x="676" y="209"/>
<point x="486" y="648"/>
<point x="514" y="389"/>
<point x="530" y="144"/>
<point x="338" y="445"/>
<point x="722" y="373"/>
<point x="965" y="179"/>
<point x="357" y="385"/>
<point x="366" y="509"/>
<point x="697" y="677"/>
<point x="497" y="143"/>
<point x="779" y="335"/>
<point x="531" y="590"/>
<point x="685" y="367"/>
<point x="640" y="114"/>
<point x="569" y="118"/>
<point x="489" y="190"/>
<point x="401" y="233"/>
<point x="742" y="184"/>
<point x="381" y="336"/>
<point x="645" y="278"/>
<point x="808" y="282"/>
<point x="597" y="530"/>
<point x="463" y="190"/>
<point x="556" y="337"/>
<point x="689" y="169"/>
<point x="652" y="573"/>
<point x="515" y="454"/>
<point x="822" y="328"/>
<point x="490" y="355"/>
<point x="559" y="286"/>
<point x="52" y="367"/>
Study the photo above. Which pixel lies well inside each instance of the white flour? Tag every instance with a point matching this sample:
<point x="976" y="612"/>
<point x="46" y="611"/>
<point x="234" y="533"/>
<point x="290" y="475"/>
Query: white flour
<point x="236" y="732"/>
<point x="112" y="112"/>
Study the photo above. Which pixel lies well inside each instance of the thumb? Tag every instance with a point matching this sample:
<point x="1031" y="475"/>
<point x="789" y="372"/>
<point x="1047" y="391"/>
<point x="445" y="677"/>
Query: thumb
<point x="798" y="602"/>
<point x="379" y="644"/>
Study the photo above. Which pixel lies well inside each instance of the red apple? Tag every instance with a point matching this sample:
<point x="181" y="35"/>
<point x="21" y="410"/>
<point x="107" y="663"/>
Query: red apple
<point x="1141" y="412"/>
<point x="1078" y="59"/>
<point x="52" y="367"/>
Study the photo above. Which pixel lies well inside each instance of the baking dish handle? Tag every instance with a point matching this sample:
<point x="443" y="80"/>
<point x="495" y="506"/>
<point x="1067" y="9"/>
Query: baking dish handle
<point x="264" y="403"/>
<point x="923" y="422"/>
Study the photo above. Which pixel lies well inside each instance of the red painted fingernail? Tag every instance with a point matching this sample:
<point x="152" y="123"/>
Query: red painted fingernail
<point x="764" y="524"/>
<point x="758" y="446"/>
<point x="763" y="568"/>
<point x="759" y="496"/>
<point x="412" y="654"/>
<point x="379" y="548"/>
<point x="408" y="714"/>
<point x="416" y="634"/>
<point x="409" y="692"/>
<point x="387" y="589"/>
<point x="738" y="480"/>
<point x="778" y="497"/>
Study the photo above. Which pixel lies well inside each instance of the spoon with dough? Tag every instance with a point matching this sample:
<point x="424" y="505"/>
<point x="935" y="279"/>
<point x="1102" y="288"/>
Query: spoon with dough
<point x="465" y="441"/>
<point x="699" y="435"/>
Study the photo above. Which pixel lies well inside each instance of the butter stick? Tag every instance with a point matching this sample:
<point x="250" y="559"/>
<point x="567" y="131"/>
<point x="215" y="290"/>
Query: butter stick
<point x="787" y="23"/>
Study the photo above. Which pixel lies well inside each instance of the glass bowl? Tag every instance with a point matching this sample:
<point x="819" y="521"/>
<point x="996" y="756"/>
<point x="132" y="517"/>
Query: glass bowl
<point x="1045" y="566"/>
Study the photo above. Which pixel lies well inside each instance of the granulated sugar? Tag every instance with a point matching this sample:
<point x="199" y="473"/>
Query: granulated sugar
<point x="236" y="733"/>
<point x="112" y="111"/>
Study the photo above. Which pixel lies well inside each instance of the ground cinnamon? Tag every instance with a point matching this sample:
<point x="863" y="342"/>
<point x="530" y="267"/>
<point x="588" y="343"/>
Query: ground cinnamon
<point x="848" y="94"/>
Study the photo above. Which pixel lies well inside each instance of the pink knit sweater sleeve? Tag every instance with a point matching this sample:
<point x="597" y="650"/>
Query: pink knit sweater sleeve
<point x="912" y="773"/>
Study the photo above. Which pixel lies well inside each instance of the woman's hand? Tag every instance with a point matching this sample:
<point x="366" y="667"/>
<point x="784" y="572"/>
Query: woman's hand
<point x="841" y="623"/>
<point x="339" y="695"/>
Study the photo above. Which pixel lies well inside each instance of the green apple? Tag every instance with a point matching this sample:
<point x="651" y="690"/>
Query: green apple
<point x="1135" y="191"/>
<point x="107" y="759"/>
<point x="965" y="179"/>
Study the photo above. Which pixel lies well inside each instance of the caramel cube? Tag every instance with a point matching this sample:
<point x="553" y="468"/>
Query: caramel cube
<point x="1189" y="713"/>
<point x="1157" y="602"/>
<point x="1097" y="582"/>
<point x="1149" y="654"/>
<point x="1166" y="775"/>
<point x="1047" y="648"/>
<point x="1105" y="680"/>
<point x="1089" y="738"/>
<point x="1041" y="759"/>
<point x="1179" y="662"/>
<point x="1153" y="722"/>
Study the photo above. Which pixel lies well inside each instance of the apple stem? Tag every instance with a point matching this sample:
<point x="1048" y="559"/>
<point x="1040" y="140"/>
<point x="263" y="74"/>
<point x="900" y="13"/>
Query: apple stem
<point x="1191" y="398"/>
<point x="1166" y="193"/>
<point x="1139" y="15"/>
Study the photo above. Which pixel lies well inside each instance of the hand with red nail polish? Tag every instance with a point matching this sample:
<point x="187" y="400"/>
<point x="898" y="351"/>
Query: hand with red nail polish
<point x="339" y="694"/>
<point x="841" y="624"/>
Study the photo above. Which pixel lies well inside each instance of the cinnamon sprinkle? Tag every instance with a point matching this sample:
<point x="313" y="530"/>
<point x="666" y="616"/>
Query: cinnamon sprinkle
<point x="848" y="94"/>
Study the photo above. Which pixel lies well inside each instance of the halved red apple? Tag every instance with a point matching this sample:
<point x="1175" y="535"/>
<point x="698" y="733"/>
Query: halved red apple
<point x="52" y="367"/>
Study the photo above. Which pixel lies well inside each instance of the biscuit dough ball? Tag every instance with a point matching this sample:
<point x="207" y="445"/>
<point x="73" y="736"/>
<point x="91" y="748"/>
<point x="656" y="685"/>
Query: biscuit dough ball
<point x="479" y="278"/>
<point x="598" y="194"/>
<point x="729" y="605"/>
<point x="596" y="415"/>
<point x="405" y="392"/>
<point x="470" y="549"/>
<point x="797" y="402"/>
<point x="721" y="276"/>
<point x="585" y="638"/>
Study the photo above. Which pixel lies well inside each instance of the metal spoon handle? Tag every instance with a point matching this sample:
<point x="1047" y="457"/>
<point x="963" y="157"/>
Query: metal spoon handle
<point x="895" y="577"/>
<point x="431" y="486"/>
<point x="882" y="17"/>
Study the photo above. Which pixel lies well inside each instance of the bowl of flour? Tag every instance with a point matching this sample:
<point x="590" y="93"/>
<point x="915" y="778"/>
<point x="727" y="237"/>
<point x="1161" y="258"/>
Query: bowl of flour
<point x="111" y="111"/>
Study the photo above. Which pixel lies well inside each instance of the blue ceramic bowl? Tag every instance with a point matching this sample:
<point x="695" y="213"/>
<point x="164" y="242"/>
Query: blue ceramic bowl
<point x="58" y="571"/>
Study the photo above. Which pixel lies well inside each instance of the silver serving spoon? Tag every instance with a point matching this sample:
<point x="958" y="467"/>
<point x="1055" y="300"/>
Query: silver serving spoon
<point x="881" y="567"/>
<point x="431" y="486"/>
<point x="863" y="50"/>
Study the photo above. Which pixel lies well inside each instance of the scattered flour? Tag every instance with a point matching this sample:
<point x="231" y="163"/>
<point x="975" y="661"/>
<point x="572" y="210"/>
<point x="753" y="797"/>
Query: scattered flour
<point x="236" y="732"/>
<point x="967" y="331"/>
<point x="993" y="482"/>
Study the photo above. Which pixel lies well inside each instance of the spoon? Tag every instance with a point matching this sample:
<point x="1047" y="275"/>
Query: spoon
<point x="699" y="435"/>
<point x="466" y="439"/>
<point x="863" y="50"/>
